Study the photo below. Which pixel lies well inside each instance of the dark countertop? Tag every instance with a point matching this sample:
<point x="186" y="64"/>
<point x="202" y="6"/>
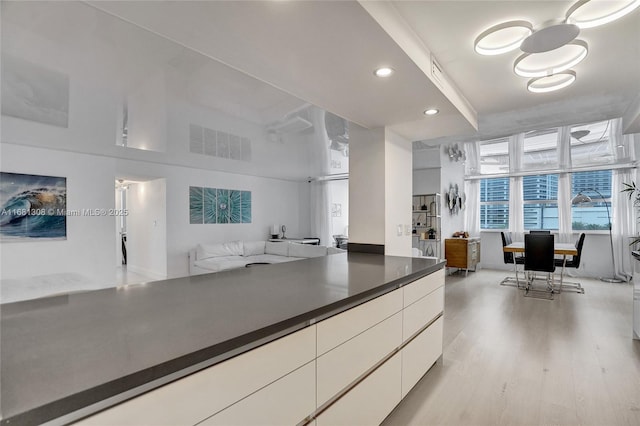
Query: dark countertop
<point x="64" y="353"/>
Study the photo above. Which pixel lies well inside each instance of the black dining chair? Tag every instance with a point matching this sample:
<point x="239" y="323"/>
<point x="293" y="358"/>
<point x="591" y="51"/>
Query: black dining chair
<point x="539" y="257"/>
<point x="510" y="259"/>
<point x="574" y="262"/>
<point x="543" y="232"/>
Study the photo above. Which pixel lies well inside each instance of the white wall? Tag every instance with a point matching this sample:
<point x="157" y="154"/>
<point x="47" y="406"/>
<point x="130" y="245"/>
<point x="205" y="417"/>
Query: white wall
<point x="397" y="171"/>
<point x="367" y="185"/>
<point x="147" y="228"/>
<point x="451" y="172"/>
<point x="88" y="249"/>
<point x="426" y="181"/>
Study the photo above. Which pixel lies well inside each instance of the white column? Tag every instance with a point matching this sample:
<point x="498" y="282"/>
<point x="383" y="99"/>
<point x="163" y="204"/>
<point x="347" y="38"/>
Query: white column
<point x="380" y="189"/>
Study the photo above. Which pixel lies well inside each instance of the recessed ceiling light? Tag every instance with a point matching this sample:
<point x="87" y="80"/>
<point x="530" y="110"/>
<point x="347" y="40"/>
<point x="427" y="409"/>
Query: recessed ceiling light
<point x="383" y="72"/>
<point x="553" y="62"/>
<point x="551" y="83"/>
<point x="502" y="38"/>
<point x="431" y="111"/>
<point x="550" y="36"/>
<point x="589" y="14"/>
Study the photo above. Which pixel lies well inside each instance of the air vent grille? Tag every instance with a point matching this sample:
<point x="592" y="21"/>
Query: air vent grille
<point x="215" y="143"/>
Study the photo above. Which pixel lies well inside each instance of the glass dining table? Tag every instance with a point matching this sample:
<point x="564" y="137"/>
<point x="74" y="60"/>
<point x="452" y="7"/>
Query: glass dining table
<point x="560" y="249"/>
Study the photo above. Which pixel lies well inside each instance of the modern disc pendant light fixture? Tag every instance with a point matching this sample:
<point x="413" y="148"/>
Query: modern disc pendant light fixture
<point x="551" y="50"/>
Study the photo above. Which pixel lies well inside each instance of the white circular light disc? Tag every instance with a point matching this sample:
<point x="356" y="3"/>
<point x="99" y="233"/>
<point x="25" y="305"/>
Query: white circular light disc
<point x="553" y="62"/>
<point x="551" y="83"/>
<point x="550" y="37"/>
<point x="502" y="38"/>
<point x="431" y="111"/>
<point x="589" y="14"/>
<point x="383" y="72"/>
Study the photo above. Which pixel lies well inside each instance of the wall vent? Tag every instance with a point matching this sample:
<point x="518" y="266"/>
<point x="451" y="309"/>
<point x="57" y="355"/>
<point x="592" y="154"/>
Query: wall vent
<point x="436" y="72"/>
<point x="215" y="143"/>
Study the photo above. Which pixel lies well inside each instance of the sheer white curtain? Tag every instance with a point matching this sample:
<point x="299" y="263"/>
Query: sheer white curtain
<point x="516" y="213"/>
<point x="624" y="225"/>
<point x="564" y="186"/>
<point x="472" y="190"/>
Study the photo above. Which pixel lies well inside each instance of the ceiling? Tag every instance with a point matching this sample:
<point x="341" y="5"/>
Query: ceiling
<point x="325" y="53"/>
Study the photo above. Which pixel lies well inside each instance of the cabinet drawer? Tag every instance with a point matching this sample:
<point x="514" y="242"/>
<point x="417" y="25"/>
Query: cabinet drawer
<point x="343" y="364"/>
<point x="370" y="401"/>
<point x="419" y="355"/>
<point x="421" y="312"/>
<point x="285" y="402"/>
<point x="199" y="395"/>
<point x="420" y="288"/>
<point x="342" y="327"/>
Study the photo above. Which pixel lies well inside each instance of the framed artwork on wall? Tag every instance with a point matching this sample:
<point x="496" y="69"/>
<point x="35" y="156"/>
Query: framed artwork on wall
<point x="214" y="205"/>
<point x="33" y="207"/>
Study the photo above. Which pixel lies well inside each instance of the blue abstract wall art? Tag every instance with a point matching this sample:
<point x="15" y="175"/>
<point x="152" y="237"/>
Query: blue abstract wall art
<point x="214" y="205"/>
<point x="32" y="207"/>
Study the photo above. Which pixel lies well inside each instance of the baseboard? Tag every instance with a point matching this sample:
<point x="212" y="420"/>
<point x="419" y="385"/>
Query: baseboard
<point x="366" y="248"/>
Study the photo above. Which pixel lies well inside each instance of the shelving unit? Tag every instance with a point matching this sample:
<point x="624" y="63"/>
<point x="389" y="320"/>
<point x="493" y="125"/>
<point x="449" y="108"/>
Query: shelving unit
<point x="426" y="215"/>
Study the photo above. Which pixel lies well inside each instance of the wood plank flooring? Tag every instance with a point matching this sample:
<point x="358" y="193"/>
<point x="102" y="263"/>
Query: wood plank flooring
<point x="511" y="360"/>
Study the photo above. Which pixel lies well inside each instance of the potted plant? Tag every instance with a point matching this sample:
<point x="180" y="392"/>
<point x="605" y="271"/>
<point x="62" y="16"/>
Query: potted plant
<point x="634" y="194"/>
<point x="432" y="233"/>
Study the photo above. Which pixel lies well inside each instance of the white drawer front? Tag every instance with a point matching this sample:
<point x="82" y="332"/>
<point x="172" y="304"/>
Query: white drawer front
<point x="418" y="314"/>
<point x="285" y="402"/>
<point x="342" y="327"/>
<point x="419" y="355"/>
<point x="342" y="365"/>
<point x="369" y="402"/>
<point x="420" y="288"/>
<point x="198" y="396"/>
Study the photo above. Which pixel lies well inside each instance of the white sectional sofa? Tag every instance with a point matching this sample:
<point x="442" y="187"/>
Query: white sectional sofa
<point x="207" y="258"/>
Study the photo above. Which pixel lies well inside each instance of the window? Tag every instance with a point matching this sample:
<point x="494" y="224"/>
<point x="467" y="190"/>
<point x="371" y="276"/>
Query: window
<point x="590" y="144"/>
<point x="540" y="150"/>
<point x="494" y="157"/>
<point x="494" y="203"/>
<point x="593" y="215"/>
<point x="540" y="193"/>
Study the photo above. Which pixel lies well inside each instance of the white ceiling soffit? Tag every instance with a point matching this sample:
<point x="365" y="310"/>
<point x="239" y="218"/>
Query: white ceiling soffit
<point x="387" y="16"/>
<point x="321" y="51"/>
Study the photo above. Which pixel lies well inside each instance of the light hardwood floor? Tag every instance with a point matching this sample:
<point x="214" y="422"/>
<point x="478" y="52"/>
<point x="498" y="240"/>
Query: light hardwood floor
<point x="511" y="360"/>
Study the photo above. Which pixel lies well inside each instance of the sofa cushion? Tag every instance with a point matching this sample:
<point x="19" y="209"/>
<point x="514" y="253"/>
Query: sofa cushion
<point x="335" y="250"/>
<point x="253" y="248"/>
<point x="221" y="263"/>
<point x="306" y="250"/>
<point x="279" y="248"/>
<point x="231" y="248"/>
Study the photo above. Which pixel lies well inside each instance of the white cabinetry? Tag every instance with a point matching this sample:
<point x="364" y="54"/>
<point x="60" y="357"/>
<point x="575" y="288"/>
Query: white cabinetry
<point x="285" y="402"/>
<point x="352" y="368"/>
<point x="196" y="397"/>
<point x="342" y="365"/>
<point x="370" y="401"/>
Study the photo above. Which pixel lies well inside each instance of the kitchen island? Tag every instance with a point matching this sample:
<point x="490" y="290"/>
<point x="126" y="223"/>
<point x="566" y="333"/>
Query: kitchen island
<point x="215" y="348"/>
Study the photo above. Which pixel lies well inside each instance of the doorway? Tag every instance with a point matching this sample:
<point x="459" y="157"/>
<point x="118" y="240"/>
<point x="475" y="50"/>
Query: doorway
<point x="141" y="231"/>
